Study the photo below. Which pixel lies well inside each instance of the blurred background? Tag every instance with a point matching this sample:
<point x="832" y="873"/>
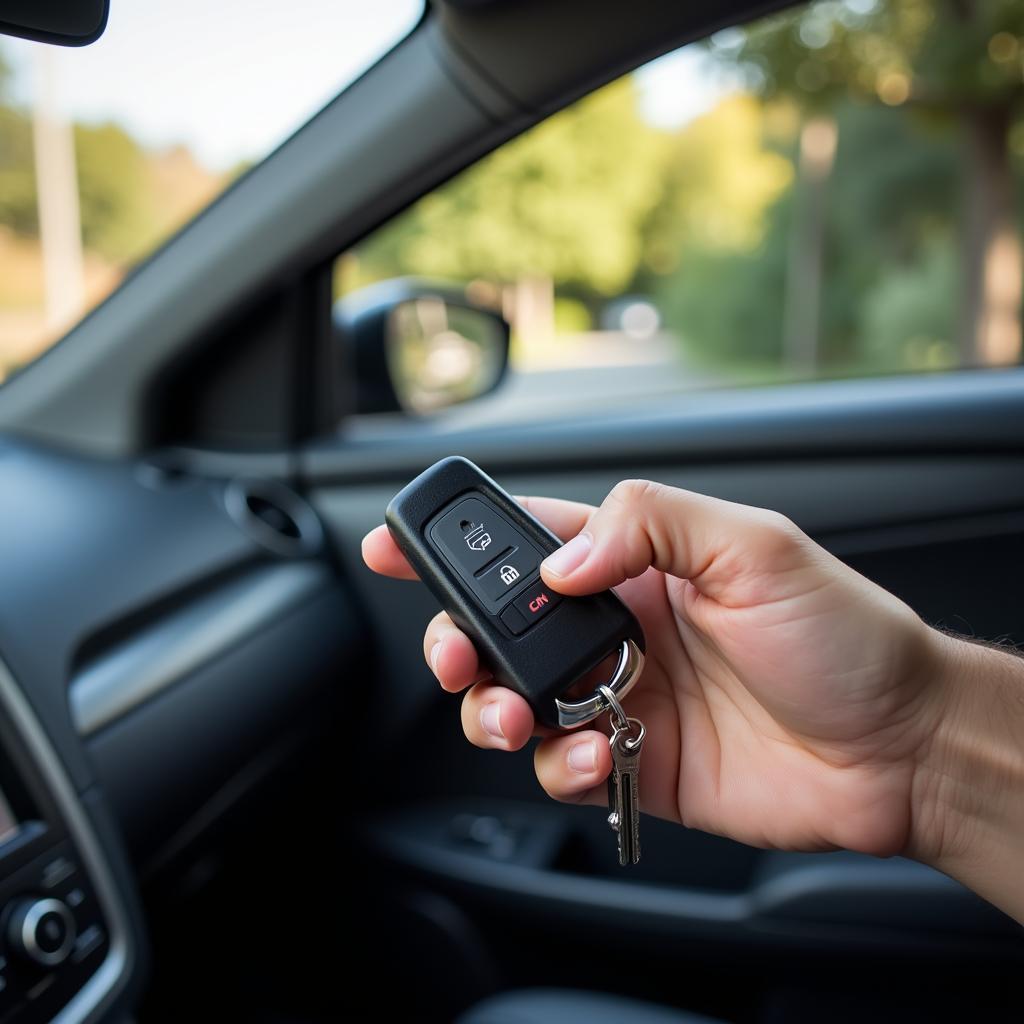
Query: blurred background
<point x="831" y="191"/>
<point x="107" y="150"/>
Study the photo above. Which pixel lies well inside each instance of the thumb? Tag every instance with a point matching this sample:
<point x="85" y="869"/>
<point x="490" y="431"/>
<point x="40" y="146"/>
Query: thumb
<point x="708" y="541"/>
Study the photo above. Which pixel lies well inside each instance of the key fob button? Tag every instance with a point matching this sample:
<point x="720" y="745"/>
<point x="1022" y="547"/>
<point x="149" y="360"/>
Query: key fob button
<point x="536" y="601"/>
<point x="472" y="535"/>
<point x="514" y="621"/>
<point x="509" y="573"/>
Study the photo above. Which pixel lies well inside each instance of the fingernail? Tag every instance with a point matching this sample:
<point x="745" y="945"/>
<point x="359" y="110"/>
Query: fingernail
<point x="583" y="757"/>
<point x="435" y="652"/>
<point x="490" y="719"/>
<point x="569" y="557"/>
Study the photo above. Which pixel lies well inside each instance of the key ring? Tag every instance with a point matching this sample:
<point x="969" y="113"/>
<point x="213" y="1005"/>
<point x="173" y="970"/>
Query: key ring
<point x="621" y="722"/>
<point x="627" y="671"/>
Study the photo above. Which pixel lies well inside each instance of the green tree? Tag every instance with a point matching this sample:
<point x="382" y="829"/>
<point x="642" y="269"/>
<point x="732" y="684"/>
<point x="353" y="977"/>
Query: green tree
<point x="726" y="305"/>
<point x="958" y="60"/>
<point x="890" y="198"/>
<point x="5" y="76"/>
<point x="115" y="193"/>
<point x="909" y="313"/>
<point x="567" y="200"/>
<point x="715" y="245"/>
<point x="892" y="201"/>
<point x="721" y="178"/>
<point x="17" y="173"/>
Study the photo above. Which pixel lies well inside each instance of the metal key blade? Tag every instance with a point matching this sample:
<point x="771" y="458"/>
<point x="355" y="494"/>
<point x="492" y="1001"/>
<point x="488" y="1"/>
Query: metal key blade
<point x="624" y="796"/>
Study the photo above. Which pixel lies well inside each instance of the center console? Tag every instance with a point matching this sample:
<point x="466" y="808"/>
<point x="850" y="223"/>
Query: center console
<point x="65" y="938"/>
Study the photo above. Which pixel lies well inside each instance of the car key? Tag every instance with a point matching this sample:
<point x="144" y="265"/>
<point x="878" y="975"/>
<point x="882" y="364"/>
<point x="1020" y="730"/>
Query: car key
<point x="623" y="782"/>
<point x="479" y="551"/>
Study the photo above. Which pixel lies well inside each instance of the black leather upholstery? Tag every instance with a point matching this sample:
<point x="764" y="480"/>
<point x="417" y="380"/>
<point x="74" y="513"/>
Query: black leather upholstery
<point x="573" y="1006"/>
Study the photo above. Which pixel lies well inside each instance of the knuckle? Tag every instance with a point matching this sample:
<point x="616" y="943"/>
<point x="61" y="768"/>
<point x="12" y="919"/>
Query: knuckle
<point x="778" y="532"/>
<point x="783" y="526"/>
<point x="634" y="492"/>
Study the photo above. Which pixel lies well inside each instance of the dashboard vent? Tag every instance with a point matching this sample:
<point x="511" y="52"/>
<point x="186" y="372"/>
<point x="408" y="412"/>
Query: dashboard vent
<point x="274" y="516"/>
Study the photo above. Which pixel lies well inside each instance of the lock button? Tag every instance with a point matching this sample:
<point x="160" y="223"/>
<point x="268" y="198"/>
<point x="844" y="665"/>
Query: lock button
<point x="509" y="572"/>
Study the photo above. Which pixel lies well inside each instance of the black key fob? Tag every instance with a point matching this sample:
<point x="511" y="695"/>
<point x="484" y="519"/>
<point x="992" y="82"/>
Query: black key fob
<point x="479" y="551"/>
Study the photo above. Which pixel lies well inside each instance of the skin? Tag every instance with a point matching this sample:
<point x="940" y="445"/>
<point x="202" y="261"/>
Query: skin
<point x="789" y="702"/>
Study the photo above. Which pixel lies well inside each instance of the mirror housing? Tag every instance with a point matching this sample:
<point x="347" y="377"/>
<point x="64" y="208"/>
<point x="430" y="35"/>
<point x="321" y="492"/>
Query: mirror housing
<point x="62" y="22"/>
<point x="418" y="347"/>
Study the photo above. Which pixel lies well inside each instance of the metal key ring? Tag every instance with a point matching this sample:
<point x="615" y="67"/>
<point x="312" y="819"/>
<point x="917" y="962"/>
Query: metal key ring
<point x="622" y="723"/>
<point x="620" y="720"/>
<point x="627" y="671"/>
<point x="629" y="743"/>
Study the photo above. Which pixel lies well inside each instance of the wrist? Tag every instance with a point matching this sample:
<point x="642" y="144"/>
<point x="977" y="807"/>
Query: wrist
<point x="967" y="795"/>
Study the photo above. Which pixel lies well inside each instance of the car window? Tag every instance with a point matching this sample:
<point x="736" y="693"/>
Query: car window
<point x="827" y="192"/>
<point x="107" y="150"/>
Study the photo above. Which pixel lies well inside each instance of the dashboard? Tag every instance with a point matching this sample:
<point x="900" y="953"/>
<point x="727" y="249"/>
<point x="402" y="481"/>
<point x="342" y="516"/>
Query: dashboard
<point x="69" y="947"/>
<point x="164" y="637"/>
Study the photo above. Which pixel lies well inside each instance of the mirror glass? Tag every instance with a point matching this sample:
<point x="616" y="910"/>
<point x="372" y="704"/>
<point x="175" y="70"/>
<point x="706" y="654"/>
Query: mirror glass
<point x="440" y="353"/>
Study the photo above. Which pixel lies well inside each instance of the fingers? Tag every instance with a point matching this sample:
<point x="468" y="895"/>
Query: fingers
<point x="508" y="722"/>
<point x="712" y="543"/>
<point x="381" y="554"/>
<point x="563" y="518"/>
<point x="451" y="654"/>
<point x="572" y="768"/>
<point x="496" y="718"/>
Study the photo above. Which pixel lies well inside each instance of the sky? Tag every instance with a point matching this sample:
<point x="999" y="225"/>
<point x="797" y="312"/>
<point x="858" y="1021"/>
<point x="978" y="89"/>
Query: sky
<point x="681" y="86"/>
<point x="231" y="79"/>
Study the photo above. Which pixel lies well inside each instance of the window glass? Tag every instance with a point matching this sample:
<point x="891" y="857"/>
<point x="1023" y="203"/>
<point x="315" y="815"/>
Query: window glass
<point x="831" y="191"/>
<point x="107" y="150"/>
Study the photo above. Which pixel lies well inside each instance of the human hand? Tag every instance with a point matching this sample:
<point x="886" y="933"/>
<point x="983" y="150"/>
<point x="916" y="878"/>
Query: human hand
<point x="787" y="699"/>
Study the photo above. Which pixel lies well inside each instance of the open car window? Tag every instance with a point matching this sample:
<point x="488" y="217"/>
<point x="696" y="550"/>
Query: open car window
<point x="828" y="191"/>
<point x="107" y="150"/>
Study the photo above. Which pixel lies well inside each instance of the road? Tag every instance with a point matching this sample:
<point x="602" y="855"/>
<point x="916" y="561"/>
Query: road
<point x="605" y="368"/>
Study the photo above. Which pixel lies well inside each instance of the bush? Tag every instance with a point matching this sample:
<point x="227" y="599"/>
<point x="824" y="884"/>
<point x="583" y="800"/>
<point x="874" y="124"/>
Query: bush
<point x="727" y="307"/>
<point x="908" y="318"/>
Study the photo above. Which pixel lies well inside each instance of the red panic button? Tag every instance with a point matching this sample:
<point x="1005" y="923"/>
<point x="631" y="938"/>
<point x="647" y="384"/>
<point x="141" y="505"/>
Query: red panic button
<point x="535" y="602"/>
<point x="532" y="604"/>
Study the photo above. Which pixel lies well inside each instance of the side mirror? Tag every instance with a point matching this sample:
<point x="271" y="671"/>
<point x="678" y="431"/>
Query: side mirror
<point x="419" y="347"/>
<point x="63" y="22"/>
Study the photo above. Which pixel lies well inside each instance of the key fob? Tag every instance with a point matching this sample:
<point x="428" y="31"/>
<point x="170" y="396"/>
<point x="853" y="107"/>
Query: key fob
<point x="479" y="551"/>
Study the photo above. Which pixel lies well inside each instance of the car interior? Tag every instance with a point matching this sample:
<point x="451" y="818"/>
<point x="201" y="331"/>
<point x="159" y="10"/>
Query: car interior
<point x="236" y="790"/>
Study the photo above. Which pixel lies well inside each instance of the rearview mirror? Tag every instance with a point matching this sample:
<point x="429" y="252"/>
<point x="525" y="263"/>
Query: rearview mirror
<point x="63" y="22"/>
<point x="420" y="347"/>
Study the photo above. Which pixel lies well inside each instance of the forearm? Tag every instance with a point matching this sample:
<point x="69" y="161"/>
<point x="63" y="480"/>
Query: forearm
<point x="968" y="793"/>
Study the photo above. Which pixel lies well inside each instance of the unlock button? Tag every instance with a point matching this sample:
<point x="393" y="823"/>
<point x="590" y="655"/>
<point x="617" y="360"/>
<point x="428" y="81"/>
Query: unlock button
<point x="508" y="572"/>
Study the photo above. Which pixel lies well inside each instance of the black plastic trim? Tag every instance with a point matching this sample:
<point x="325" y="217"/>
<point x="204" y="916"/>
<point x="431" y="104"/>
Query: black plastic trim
<point x="971" y="411"/>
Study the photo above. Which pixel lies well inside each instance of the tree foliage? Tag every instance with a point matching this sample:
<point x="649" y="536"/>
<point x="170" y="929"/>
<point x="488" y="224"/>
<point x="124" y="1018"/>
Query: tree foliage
<point x="5" y="77"/>
<point x="17" y="173"/>
<point x="720" y="179"/>
<point x="953" y="65"/>
<point x="568" y="200"/>
<point x="934" y="53"/>
<point x="117" y="206"/>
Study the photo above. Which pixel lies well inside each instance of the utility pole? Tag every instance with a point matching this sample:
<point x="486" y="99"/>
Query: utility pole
<point x="60" y="226"/>
<point x="805" y="270"/>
